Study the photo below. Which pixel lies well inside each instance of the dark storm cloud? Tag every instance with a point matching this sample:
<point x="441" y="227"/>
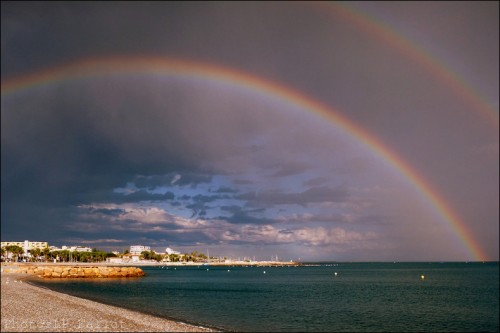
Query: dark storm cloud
<point x="233" y="33"/>
<point x="144" y="196"/>
<point x="199" y="204"/>
<point x="193" y="179"/>
<point x="106" y="211"/>
<point x="207" y="198"/>
<point x="185" y="197"/>
<point x="71" y="150"/>
<point x="244" y="215"/>
<point x="177" y="178"/>
<point x="153" y="181"/>
<point x="129" y="158"/>
<point x="132" y="231"/>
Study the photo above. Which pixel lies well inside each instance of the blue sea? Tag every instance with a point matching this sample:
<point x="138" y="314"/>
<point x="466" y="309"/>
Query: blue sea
<point x="389" y="297"/>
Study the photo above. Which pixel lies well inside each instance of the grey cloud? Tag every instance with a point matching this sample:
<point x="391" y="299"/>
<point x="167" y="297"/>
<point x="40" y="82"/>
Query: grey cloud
<point x="311" y="195"/>
<point x="245" y="218"/>
<point x="106" y="211"/>
<point x="316" y="181"/>
<point x="142" y="195"/>
<point x="290" y="169"/>
<point x="226" y="190"/>
<point x="199" y="203"/>
<point x="243" y="182"/>
<point x="152" y="181"/>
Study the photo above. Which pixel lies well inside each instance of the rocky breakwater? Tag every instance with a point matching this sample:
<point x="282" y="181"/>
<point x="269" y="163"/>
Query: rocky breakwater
<point x="59" y="271"/>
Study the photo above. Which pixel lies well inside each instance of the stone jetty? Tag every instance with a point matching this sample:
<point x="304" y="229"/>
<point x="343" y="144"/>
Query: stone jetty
<point x="69" y="271"/>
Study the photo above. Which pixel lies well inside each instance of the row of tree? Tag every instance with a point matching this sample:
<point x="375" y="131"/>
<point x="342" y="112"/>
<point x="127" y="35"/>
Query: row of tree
<point x="94" y="256"/>
<point x="16" y="251"/>
<point x="173" y="257"/>
<point x="47" y="255"/>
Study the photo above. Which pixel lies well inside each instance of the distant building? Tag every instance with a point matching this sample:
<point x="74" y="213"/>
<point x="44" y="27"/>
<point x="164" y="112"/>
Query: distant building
<point x="71" y="248"/>
<point x="114" y="260"/>
<point x="137" y="249"/>
<point x="77" y="248"/>
<point x="27" y="245"/>
<point x="169" y="251"/>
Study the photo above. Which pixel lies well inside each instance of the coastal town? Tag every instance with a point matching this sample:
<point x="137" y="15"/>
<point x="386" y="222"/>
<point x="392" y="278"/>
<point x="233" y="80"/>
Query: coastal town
<point x="40" y="252"/>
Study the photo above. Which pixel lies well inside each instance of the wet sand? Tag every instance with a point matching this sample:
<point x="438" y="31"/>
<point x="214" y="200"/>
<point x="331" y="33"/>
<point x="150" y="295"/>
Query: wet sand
<point x="28" y="308"/>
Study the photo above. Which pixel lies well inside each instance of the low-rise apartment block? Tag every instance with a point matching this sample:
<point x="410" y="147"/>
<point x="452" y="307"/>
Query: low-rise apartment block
<point x="27" y="245"/>
<point x="137" y="249"/>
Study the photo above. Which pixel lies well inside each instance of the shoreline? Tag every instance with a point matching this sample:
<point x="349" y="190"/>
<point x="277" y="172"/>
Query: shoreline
<point x="147" y="263"/>
<point x="29" y="308"/>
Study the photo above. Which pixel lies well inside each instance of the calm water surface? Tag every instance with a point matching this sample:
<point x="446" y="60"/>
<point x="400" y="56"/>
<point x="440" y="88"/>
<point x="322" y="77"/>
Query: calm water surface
<point x="453" y="297"/>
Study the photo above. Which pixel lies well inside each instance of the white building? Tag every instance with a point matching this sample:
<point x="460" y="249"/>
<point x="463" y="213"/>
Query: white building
<point x="71" y="248"/>
<point x="114" y="260"/>
<point x="137" y="249"/>
<point x="77" y="248"/>
<point x="169" y="251"/>
<point x="27" y="245"/>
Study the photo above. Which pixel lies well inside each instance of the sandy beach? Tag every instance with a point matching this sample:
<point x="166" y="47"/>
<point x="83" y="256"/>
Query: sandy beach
<point x="28" y="308"/>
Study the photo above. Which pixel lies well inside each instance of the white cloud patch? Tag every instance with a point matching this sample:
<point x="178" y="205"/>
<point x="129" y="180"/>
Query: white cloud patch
<point x="128" y="217"/>
<point x="309" y="236"/>
<point x="176" y="178"/>
<point x="121" y="212"/>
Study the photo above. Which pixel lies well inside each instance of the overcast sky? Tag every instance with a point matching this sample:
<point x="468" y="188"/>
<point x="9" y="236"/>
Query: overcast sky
<point x="198" y="163"/>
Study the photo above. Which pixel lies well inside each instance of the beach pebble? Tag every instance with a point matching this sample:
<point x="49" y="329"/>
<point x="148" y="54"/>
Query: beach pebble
<point x="73" y="314"/>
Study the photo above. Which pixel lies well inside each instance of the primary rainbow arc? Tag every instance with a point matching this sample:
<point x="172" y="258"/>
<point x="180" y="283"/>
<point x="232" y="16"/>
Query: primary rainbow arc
<point x="170" y="66"/>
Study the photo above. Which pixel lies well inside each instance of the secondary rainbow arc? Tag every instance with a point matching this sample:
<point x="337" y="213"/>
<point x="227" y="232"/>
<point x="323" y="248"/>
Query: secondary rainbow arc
<point x="171" y="66"/>
<point x="380" y="31"/>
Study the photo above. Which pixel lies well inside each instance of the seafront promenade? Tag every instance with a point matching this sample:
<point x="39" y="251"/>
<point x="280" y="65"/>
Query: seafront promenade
<point x="154" y="263"/>
<point x="28" y="308"/>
